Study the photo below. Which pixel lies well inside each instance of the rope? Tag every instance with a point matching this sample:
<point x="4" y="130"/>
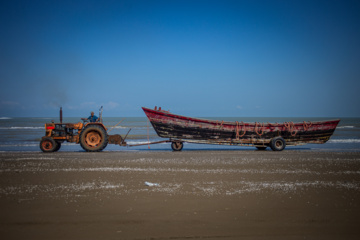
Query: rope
<point x="221" y="126"/>
<point x="257" y="128"/>
<point x="115" y="125"/>
<point x="307" y="125"/>
<point x="244" y="128"/>
<point x="237" y="130"/>
<point x="291" y="128"/>
<point x="148" y="133"/>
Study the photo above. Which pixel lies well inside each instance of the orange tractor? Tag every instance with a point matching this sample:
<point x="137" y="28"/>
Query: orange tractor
<point x="92" y="136"/>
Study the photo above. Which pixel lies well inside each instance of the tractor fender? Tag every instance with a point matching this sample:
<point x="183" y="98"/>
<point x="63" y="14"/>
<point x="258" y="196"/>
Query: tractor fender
<point x="97" y="124"/>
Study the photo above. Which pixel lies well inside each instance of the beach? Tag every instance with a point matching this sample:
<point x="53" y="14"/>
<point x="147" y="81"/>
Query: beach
<point x="180" y="195"/>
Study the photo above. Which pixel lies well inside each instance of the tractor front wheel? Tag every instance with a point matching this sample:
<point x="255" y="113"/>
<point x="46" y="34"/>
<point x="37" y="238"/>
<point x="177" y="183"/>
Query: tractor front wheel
<point x="48" y="145"/>
<point x="93" y="139"/>
<point x="58" y="146"/>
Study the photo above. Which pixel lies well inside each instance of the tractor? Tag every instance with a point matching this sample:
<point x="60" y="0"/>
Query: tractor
<point x="92" y="136"/>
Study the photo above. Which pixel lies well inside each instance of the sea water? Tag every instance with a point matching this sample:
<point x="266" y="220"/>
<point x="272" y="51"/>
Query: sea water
<point x="24" y="134"/>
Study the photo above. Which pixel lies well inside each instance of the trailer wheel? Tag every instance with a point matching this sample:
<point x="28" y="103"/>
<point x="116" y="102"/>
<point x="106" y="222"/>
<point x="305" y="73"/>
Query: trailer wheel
<point x="48" y="145"/>
<point x="93" y="138"/>
<point x="177" y="146"/>
<point x="277" y="144"/>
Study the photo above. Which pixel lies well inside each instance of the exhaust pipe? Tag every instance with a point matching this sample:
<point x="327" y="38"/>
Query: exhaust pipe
<point x="60" y="114"/>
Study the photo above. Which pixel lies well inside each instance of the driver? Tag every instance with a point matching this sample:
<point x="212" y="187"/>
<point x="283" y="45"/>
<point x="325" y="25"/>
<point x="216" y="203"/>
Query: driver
<point x="91" y="118"/>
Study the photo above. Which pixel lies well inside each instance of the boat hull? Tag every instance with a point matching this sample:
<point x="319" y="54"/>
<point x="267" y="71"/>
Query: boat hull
<point x="181" y="128"/>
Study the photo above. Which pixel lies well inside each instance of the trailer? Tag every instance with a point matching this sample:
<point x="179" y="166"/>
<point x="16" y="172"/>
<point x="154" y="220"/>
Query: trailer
<point x="277" y="136"/>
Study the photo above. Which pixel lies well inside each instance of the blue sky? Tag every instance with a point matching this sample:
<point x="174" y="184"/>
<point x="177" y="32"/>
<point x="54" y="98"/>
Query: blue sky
<point x="197" y="58"/>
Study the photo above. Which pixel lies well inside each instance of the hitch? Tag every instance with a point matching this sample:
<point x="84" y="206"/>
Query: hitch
<point x="117" y="139"/>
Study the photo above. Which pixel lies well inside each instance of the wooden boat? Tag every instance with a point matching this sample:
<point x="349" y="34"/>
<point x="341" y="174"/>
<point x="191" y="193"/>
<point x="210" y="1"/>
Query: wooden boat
<point x="181" y="129"/>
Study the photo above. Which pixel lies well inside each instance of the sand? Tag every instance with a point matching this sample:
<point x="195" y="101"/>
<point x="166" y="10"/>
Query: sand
<point x="180" y="195"/>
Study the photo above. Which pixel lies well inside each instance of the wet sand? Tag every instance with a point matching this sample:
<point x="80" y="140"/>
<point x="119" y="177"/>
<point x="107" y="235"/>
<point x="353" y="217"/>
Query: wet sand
<point x="180" y="195"/>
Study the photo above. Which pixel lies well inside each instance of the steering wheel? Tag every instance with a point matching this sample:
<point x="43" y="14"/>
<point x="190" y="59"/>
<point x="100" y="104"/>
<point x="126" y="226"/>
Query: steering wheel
<point x="85" y="120"/>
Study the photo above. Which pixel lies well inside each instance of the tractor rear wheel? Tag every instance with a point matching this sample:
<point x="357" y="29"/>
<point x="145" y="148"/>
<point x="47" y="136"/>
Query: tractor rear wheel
<point x="93" y="138"/>
<point x="48" y="145"/>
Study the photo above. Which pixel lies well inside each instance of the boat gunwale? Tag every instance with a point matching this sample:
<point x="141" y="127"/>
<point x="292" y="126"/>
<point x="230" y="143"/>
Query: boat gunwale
<point x="217" y="122"/>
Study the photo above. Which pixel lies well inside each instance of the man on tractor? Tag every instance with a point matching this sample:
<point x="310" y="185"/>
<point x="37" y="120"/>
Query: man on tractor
<point x="91" y="118"/>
